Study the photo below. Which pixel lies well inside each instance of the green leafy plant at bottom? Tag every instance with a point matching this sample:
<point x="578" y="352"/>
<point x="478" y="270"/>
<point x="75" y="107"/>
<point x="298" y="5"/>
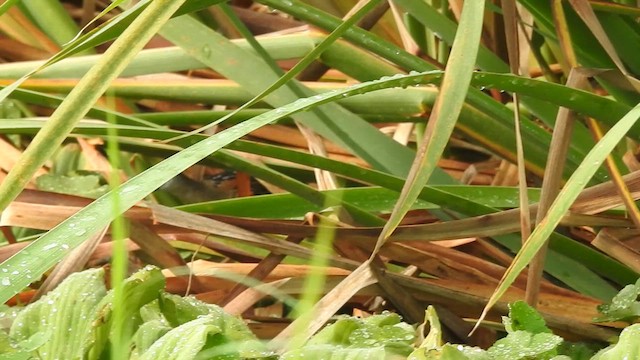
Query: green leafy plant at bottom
<point x="76" y="321"/>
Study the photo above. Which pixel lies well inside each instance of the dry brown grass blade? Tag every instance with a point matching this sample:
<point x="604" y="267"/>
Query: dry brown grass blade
<point x="450" y="263"/>
<point x="73" y="262"/>
<point x="605" y="196"/>
<point x="95" y="160"/>
<point x="18" y="26"/>
<point x="403" y="301"/>
<point x="159" y="252"/>
<point x="282" y="271"/>
<point x="403" y="131"/>
<point x="180" y="219"/>
<point x="9" y="157"/>
<point x="608" y="243"/>
<point x="504" y="222"/>
<point x="572" y="314"/>
<point x="248" y="297"/>
<point x="552" y="181"/>
<point x="268" y="264"/>
<point x="304" y="327"/>
<point x="13" y="50"/>
<point x="325" y="179"/>
<point x="510" y="14"/>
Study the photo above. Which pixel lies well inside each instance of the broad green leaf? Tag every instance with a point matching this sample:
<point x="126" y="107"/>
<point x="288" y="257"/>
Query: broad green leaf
<point x="148" y="333"/>
<point x="624" y="306"/>
<point x="63" y="316"/>
<point x="628" y="346"/>
<point x="524" y="317"/>
<point x="187" y="340"/>
<point x="138" y="290"/>
<point x="232" y="333"/>
<point x="521" y="345"/>
<point x="378" y="336"/>
<point x="181" y="310"/>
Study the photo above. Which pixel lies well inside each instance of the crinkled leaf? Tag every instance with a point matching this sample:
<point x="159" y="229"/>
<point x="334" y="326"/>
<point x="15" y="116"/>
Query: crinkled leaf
<point x="432" y="343"/>
<point x="524" y="317"/>
<point x="623" y="306"/>
<point x="80" y="185"/>
<point x="578" y="351"/>
<point x="8" y="315"/>
<point x="332" y="352"/>
<point x="139" y="289"/>
<point x="352" y="337"/>
<point x="10" y="350"/>
<point x="62" y="317"/>
<point x="185" y="341"/>
<point x="474" y="353"/>
<point x="148" y="333"/>
<point x="184" y="310"/>
<point x="525" y="345"/>
<point x="628" y="347"/>
<point x="452" y="352"/>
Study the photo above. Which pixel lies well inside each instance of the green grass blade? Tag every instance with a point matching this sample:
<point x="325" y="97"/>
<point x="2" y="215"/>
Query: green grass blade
<point x="253" y="74"/>
<point x="453" y="92"/>
<point x="561" y="205"/>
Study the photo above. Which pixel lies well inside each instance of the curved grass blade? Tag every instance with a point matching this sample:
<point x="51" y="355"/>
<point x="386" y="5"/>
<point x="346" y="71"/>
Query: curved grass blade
<point x="444" y="115"/>
<point x="561" y="205"/>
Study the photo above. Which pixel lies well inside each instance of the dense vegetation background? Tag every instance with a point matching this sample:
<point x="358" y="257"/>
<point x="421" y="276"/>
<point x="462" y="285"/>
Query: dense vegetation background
<point x="288" y="161"/>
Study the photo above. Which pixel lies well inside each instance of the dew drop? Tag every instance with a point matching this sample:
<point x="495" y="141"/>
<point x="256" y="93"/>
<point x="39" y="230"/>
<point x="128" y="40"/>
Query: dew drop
<point x="50" y="246"/>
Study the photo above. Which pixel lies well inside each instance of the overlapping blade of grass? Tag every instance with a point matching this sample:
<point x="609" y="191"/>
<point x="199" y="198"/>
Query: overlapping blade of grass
<point x="444" y="115"/>
<point x="561" y="205"/>
<point x="623" y="33"/>
<point x="454" y="198"/>
<point x="248" y="70"/>
<point x="57" y="242"/>
<point x="100" y="35"/>
<point x="152" y="61"/>
<point x="52" y="18"/>
<point x="472" y="123"/>
<point x="471" y="208"/>
<point x="445" y="28"/>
